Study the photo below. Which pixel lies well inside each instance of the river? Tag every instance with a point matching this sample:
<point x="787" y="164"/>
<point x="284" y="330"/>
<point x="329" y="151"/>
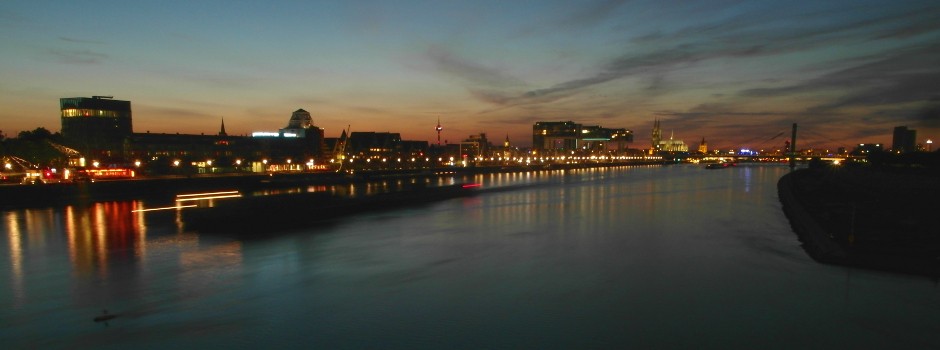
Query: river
<point x="627" y="257"/>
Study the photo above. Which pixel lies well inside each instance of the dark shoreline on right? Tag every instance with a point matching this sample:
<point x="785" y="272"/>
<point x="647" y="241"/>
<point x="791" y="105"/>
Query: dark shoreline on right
<point x="879" y="219"/>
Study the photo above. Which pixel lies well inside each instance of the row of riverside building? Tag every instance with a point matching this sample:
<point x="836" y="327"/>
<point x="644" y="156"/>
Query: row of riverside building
<point x="100" y="130"/>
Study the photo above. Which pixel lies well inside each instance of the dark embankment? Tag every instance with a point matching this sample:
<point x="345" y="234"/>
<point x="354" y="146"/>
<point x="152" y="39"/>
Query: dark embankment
<point x="165" y="188"/>
<point x="883" y="219"/>
<point x="260" y="216"/>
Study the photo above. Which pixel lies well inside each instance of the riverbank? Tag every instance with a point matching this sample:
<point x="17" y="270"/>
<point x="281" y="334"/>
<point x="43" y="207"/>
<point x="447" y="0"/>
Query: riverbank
<point x="864" y="217"/>
<point x="167" y="187"/>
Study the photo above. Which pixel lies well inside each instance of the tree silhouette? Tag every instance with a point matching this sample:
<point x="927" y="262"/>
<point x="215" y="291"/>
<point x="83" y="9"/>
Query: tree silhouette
<point x="34" y="147"/>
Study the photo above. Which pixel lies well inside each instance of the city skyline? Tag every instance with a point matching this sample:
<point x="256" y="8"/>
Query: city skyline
<point x="731" y="72"/>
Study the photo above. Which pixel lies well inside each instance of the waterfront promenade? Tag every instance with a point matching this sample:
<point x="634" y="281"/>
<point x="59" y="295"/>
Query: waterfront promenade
<point x="167" y="187"/>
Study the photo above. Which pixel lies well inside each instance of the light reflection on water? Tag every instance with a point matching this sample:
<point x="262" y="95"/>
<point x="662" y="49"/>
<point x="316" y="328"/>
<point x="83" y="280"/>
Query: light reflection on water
<point x="592" y="258"/>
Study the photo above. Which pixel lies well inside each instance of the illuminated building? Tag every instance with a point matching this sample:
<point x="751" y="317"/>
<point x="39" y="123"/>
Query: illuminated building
<point x="656" y="137"/>
<point x="413" y="149"/>
<point x="96" y="126"/>
<point x="904" y="140"/>
<point x="373" y="144"/>
<point x="159" y="151"/>
<point x="300" y="139"/>
<point x="300" y="125"/>
<point x="864" y="149"/>
<point x="703" y="147"/>
<point x="621" y="137"/>
<point x="658" y="145"/>
<point x="290" y="148"/>
<point x="475" y="146"/>
<point x="596" y="138"/>
<point x="100" y="128"/>
<point x="555" y="137"/>
<point x="300" y="122"/>
<point x="672" y="145"/>
<point x="378" y="145"/>
<point x="508" y="151"/>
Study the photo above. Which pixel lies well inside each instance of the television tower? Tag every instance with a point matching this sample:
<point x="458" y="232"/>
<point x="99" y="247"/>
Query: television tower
<point x="439" y="128"/>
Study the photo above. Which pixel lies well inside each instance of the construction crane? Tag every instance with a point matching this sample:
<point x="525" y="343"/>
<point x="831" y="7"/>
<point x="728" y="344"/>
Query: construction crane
<point x="64" y="150"/>
<point x="10" y="161"/>
<point x="339" y="149"/>
<point x="74" y="158"/>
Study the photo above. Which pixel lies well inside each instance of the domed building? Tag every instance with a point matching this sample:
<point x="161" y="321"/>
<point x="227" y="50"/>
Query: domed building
<point x="300" y="122"/>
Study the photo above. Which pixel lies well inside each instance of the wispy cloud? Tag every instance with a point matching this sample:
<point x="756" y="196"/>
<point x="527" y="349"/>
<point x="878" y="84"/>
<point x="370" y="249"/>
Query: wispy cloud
<point x="81" y="41"/>
<point x="929" y="116"/>
<point x="727" y="118"/>
<point x="176" y="113"/>
<point x="589" y="14"/>
<point x="83" y="56"/>
<point x="471" y="73"/>
<point x="211" y="77"/>
<point x="904" y="76"/>
<point x="744" y="36"/>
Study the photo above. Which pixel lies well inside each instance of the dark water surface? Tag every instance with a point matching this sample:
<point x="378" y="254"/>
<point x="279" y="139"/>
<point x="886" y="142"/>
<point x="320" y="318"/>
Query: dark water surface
<point x="643" y="257"/>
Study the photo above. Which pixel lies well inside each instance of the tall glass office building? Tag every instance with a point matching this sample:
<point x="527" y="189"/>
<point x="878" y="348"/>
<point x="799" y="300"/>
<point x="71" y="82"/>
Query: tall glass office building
<point x="96" y="126"/>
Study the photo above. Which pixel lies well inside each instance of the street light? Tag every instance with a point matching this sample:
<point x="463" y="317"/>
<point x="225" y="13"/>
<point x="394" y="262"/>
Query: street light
<point x="929" y="144"/>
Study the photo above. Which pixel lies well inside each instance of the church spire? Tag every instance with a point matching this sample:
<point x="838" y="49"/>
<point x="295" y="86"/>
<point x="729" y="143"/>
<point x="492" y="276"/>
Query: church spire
<point x="656" y="137"/>
<point x="222" y="130"/>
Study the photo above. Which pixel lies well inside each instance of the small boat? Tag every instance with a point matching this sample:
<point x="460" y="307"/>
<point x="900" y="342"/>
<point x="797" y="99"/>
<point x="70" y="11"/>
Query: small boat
<point x="104" y="317"/>
<point x="719" y="165"/>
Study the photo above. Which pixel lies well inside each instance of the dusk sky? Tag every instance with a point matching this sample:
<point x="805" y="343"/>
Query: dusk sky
<point x="734" y="72"/>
